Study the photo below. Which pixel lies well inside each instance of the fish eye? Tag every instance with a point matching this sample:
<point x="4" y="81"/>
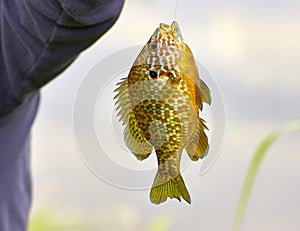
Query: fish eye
<point x="153" y="74"/>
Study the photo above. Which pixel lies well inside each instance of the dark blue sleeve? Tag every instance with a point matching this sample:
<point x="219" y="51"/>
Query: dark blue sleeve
<point x="40" y="38"/>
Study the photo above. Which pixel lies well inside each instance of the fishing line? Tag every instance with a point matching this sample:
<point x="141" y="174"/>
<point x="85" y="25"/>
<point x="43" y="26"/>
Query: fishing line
<point x="175" y="11"/>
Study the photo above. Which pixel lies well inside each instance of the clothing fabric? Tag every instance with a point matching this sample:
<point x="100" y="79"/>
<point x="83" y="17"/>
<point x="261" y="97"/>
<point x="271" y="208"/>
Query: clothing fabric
<point x="38" y="40"/>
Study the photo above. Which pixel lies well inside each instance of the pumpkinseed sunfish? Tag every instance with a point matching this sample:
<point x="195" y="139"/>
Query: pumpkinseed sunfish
<point x="160" y="103"/>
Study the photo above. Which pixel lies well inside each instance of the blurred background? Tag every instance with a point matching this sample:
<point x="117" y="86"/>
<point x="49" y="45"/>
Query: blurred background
<point x="252" y="50"/>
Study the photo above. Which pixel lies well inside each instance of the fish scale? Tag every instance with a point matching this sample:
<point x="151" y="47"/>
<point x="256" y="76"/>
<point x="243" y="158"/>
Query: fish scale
<point x="160" y="103"/>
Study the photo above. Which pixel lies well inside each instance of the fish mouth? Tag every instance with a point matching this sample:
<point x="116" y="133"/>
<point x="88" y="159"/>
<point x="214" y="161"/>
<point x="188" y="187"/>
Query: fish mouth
<point x="177" y="32"/>
<point x="166" y="30"/>
<point x="164" y="27"/>
<point x="174" y="29"/>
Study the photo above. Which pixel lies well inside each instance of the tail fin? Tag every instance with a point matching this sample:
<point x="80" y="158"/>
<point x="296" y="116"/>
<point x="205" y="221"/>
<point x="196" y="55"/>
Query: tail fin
<point x="174" y="188"/>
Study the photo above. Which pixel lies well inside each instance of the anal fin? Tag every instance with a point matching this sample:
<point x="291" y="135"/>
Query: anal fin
<point x="198" y="147"/>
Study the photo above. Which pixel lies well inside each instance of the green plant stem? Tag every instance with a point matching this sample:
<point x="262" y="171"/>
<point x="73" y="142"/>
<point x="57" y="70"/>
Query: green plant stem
<point x="253" y="171"/>
<point x="250" y="178"/>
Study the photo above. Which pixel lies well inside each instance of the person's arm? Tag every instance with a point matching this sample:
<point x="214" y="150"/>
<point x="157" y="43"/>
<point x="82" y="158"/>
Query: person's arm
<point x="39" y="39"/>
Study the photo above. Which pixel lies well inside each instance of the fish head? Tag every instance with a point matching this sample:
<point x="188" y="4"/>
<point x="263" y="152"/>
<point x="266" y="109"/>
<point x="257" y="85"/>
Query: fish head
<point x="162" y="53"/>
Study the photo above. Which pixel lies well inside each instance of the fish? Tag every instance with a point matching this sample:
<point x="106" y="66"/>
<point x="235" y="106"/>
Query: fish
<point x="159" y="103"/>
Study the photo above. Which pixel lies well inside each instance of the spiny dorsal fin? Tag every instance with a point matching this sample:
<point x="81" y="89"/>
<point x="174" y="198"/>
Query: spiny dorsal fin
<point x="123" y="101"/>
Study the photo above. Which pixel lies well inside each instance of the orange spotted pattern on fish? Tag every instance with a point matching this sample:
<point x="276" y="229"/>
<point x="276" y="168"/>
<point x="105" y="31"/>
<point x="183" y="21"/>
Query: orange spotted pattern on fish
<point x="160" y="103"/>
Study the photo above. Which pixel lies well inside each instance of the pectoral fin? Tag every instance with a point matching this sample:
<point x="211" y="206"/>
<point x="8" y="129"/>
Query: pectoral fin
<point x="198" y="147"/>
<point x="133" y="136"/>
<point x="189" y="68"/>
<point x="135" y="140"/>
<point x="205" y="93"/>
<point x="202" y="94"/>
